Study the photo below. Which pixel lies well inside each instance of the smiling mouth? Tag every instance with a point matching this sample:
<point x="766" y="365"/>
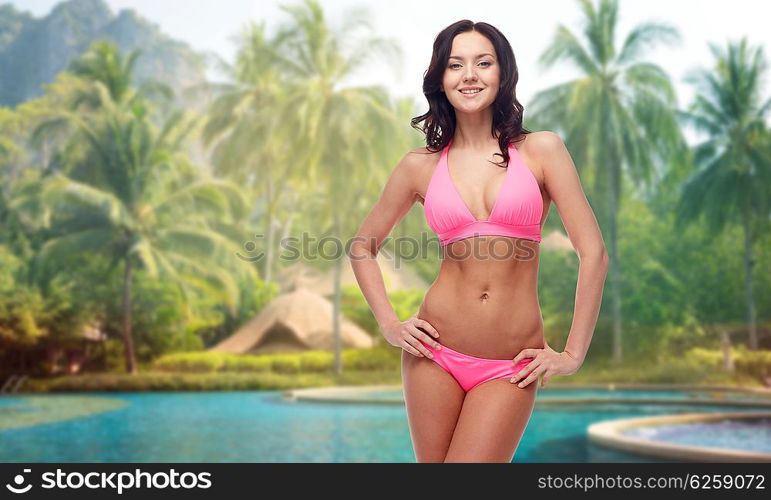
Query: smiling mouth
<point x="471" y="93"/>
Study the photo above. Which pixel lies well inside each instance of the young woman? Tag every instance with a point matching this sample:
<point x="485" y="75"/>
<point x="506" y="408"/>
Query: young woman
<point x="474" y="351"/>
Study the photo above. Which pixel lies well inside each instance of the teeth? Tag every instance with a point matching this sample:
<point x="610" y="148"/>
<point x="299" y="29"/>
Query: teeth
<point x="471" y="91"/>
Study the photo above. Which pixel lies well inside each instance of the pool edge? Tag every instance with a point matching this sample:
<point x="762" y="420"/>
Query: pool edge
<point x="609" y="434"/>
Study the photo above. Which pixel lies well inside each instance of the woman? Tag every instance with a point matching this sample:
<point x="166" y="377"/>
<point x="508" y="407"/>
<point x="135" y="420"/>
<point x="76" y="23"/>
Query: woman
<point x="474" y="351"/>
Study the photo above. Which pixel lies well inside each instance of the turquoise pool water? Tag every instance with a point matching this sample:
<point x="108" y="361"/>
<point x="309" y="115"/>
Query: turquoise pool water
<point x="263" y="427"/>
<point x="749" y="434"/>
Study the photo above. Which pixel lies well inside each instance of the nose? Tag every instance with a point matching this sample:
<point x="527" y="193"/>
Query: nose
<point x="470" y="73"/>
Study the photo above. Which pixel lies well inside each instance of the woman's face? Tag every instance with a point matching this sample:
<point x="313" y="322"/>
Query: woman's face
<point x="472" y="63"/>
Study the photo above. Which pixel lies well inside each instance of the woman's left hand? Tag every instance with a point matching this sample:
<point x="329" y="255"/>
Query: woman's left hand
<point x="546" y="361"/>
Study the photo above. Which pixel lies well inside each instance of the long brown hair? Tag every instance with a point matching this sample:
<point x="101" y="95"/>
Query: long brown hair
<point x="439" y="121"/>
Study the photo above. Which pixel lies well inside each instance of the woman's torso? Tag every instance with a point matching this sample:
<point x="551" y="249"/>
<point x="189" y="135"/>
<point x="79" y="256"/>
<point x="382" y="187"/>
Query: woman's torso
<point x="484" y="301"/>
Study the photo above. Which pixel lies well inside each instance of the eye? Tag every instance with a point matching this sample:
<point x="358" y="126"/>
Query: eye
<point x="488" y="63"/>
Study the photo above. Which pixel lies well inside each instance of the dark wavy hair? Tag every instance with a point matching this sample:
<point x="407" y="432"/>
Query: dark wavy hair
<point x="439" y="121"/>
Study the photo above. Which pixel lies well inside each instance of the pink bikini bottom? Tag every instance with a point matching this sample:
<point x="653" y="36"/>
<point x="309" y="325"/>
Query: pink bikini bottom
<point x="471" y="371"/>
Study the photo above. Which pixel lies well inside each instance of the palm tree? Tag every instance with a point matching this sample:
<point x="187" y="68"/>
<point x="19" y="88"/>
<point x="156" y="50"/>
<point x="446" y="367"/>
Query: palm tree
<point x="104" y="63"/>
<point x="734" y="163"/>
<point x="351" y="132"/>
<point x="129" y="192"/>
<point x="253" y="129"/>
<point x="617" y="118"/>
<point x="288" y="122"/>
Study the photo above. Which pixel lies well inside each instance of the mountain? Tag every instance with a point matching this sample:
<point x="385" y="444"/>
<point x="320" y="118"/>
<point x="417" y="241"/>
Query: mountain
<point x="11" y="22"/>
<point x="33" y="50"/>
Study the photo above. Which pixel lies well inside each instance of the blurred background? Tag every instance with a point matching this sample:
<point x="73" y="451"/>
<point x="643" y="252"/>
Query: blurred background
<point x="178" y="181"/>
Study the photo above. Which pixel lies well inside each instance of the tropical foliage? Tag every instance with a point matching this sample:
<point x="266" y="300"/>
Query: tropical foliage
<point x="121" y="208"/>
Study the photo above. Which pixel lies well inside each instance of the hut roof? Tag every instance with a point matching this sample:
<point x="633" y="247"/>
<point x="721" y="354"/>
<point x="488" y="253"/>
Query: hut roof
<point x="296" y="320"/>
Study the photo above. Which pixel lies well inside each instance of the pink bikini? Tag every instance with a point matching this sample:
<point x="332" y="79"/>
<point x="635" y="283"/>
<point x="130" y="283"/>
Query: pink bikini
<point x="516" y="213"/>
<point x="471" y="371"/>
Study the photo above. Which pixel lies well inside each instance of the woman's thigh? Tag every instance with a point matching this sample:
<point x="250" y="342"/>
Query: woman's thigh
<point x="491" y="422"/>
<point x="433" y="400"/>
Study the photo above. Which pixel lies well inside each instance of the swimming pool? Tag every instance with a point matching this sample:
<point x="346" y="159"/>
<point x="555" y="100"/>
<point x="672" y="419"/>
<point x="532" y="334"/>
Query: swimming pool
<point x="746" y="434"/>
<point x="558" y="396"/>
<point x="264" y="427"/>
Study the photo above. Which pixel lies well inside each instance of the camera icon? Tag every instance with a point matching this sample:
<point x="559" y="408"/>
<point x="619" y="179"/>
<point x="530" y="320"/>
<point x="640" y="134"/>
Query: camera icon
<point x="19" y="481"/>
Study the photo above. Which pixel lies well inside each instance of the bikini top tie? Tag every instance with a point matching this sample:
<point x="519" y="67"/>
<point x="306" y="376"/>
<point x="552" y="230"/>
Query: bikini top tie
<point x="516" y="213"/>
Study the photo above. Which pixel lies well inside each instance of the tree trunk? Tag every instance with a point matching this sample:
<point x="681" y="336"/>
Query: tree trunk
<point x="615" y="277"/>
<point x="286" y="228"/>
<point x="336" y="304"/>
<point x="267" y="271"/>
<point x="127" y="340"/>
<point x="748" y="265"/>
<point x="615" y="261"/>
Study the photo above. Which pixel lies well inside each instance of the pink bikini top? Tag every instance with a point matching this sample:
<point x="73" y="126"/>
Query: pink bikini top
<point x="516" y="213"/>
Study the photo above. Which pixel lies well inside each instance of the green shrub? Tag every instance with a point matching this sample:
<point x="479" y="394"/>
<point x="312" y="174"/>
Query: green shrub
<point x="245" y="363"/>
<point x="285" y="363"/>
<point x="316" y="362"/>
<point x="169" y="382"/>
<point x="707" y="357"/>
<point x="381" y="358"/>
<point x="757" y="364"/>
<point x="190" y="362"/>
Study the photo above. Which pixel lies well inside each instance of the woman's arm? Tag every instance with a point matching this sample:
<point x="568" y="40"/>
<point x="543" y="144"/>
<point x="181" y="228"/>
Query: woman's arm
<point x="564" y="187"/>
<point x="397" y="198"/>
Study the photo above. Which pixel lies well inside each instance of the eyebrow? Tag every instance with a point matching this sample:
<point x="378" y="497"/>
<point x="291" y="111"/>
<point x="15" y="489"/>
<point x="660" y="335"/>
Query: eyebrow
<point x="480" y="55"/>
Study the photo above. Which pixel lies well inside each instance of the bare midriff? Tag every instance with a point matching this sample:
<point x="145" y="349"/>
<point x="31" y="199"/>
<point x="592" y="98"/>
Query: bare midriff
<point x="484" y="301"/>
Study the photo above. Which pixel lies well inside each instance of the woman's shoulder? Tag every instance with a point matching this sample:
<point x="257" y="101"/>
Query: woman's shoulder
<point x="540" y="146"/>
<point x="415" y="170"/>
<point x="541" y="142"/>
<point x="419" y="160"/>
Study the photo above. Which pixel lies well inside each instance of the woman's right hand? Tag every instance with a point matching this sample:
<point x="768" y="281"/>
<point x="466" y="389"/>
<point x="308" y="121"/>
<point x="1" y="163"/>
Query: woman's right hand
<point x="407" y="335"/>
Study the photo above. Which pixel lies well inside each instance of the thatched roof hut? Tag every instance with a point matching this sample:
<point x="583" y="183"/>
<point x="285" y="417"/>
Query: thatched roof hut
<point x="295" y="321"/>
